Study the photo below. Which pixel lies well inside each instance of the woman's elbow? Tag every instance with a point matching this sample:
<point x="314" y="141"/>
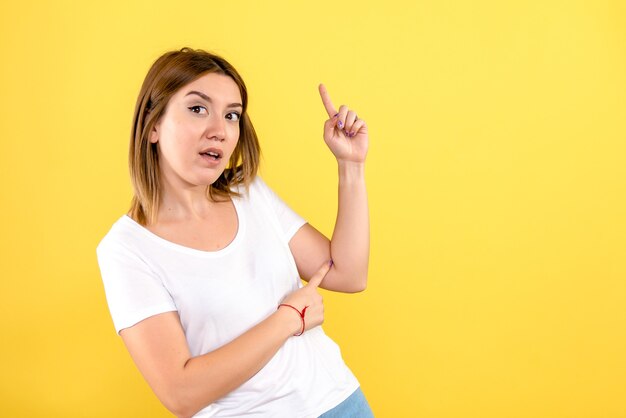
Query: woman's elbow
<point x="361" y="287"/>
<point x="357" y="284"/>
<point x="176" y="407"/>
<point x="178" y="404"/>
<point x="180" y="409"/>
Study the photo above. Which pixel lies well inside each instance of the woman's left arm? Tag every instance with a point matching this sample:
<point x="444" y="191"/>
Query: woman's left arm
<point x="346" y="136"/>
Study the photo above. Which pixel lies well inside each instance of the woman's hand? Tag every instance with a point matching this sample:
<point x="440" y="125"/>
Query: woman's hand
<point x="344" y="133"/>
<point x="308" y="297"/>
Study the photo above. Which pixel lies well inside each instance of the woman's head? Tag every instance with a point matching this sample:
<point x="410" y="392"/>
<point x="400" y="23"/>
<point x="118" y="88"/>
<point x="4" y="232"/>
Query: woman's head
<point x="168" y="75"/>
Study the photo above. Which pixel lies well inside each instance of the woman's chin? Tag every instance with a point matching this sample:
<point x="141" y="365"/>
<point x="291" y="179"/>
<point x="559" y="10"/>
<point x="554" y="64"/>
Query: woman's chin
<point x="209" y="180"/>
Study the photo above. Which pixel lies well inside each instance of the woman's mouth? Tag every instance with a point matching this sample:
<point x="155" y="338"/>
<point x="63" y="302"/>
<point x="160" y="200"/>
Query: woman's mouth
<point x="211" y="154"/>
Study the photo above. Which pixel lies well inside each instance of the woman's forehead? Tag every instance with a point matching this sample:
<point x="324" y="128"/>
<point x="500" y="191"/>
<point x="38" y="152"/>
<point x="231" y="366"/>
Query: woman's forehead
<point x="215" y="86"/>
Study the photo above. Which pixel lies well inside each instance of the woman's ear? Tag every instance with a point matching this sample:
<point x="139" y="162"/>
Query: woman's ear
<point x="154" y="134"/>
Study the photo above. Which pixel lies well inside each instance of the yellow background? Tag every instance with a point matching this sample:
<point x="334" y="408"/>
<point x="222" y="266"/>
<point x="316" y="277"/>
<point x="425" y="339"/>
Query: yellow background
<point x="496" y="173"/>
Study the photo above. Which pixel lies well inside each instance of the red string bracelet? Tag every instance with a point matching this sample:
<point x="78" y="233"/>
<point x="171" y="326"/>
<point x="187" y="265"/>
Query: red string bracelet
<point x="299" y="313"/>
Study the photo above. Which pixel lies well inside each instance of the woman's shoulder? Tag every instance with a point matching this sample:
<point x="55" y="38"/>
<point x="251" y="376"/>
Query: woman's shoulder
<point x="123" y="233"/>
<point x="256" y="187"/>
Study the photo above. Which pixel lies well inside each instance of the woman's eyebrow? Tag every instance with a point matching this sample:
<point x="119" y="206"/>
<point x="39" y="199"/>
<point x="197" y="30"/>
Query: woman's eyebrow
<point x="208" y="99"/>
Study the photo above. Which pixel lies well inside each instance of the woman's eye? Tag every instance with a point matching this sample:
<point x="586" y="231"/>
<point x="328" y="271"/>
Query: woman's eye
<point x="198" y="109"/>
<point x="234" y="116"/>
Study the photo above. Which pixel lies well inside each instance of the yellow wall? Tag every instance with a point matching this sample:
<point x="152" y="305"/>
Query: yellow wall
<point x="497" y="179"/>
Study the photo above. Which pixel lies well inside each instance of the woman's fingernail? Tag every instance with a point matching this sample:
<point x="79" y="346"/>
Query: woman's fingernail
<point x="330" y="263"/>
<point x="340" y="124"/>
<point x="335" y="115"/>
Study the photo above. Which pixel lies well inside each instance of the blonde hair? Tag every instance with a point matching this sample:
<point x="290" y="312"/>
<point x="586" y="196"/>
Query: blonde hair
<point x="168" y="74"/>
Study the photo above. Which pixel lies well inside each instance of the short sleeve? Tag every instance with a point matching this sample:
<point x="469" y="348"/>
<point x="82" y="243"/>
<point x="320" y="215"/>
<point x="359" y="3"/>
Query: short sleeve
<point x="132" y="290"/>
<point x="290" y="222"/>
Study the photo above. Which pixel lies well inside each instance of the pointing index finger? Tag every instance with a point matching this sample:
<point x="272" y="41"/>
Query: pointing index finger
<point x="320" y="274"/>
<point x="328" y="104"/>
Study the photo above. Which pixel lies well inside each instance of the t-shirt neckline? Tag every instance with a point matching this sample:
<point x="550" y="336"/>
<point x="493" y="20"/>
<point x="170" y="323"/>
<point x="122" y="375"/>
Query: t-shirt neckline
<point x="193" y="251"/>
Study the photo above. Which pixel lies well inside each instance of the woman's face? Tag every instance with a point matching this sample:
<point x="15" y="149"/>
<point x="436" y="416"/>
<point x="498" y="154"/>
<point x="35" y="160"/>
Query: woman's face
<point x="198" y="132"/>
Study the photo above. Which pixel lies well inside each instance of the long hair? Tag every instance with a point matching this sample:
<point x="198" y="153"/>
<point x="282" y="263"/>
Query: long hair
<point x="168" y="74"/>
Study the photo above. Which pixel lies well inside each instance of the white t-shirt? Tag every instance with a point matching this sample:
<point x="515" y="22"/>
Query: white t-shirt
<point x="221" y="294"/>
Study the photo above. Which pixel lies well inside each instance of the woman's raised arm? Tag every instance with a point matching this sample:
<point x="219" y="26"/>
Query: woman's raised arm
<point x="347" y="137"/>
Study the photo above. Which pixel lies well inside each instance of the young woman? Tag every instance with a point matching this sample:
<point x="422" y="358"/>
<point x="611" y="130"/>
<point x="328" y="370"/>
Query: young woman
<point x="202" y="276"/>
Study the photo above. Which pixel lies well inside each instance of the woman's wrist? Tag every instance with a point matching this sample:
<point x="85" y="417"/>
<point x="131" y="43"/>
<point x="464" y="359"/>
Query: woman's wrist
<point x="290" y="318"/>
<point x="351" y="170"/>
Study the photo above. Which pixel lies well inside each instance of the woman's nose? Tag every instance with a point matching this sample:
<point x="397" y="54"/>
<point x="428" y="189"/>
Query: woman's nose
<point x="216" y="128"/>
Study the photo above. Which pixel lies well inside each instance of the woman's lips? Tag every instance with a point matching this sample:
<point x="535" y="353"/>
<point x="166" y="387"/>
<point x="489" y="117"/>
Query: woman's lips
<point x="211" y="161"/>
<point x="212" y="155"/>
<point x="213" y="151"/>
